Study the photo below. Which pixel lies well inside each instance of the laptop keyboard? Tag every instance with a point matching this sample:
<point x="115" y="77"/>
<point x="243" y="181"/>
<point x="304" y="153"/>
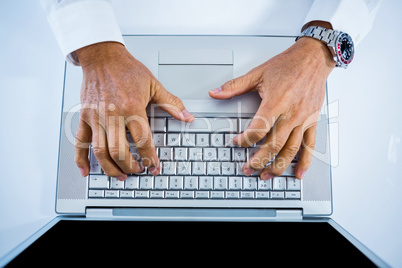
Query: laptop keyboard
<point x="198" y="161"/>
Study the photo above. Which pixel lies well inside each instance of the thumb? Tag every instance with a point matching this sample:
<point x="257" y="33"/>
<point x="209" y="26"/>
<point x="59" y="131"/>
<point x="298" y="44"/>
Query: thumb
<point x="235" y="87"/>
<point x="172" y="105"/>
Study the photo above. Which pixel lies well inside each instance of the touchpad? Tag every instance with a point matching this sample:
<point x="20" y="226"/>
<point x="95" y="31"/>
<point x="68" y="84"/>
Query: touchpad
<point x="192" y="82"/>
<point x="191" y="73"/>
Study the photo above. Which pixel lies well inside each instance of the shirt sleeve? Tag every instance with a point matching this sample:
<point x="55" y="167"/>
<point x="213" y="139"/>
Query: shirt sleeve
<point x="354" y="17"/>
<point x="79" y="23"/>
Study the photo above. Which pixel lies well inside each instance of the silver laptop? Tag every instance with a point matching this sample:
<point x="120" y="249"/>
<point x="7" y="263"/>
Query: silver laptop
<point x="201" y="177"/>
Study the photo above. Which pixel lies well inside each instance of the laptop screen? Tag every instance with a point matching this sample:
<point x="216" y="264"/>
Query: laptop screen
<point x="189" y="243"/>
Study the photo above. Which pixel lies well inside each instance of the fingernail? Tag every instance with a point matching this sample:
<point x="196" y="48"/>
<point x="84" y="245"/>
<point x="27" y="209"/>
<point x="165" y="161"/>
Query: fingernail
<point x="248" y="171"/>
<point x="216" y="90"/>
<point x="121" y="178"/>
<point x="186" y="114"/>
<point x="154" y="171"/>
<point x="83" y="172"/>
<point x="267" y="176"/>
<point x="234" y="141"/>
<point x="301" y="174"/>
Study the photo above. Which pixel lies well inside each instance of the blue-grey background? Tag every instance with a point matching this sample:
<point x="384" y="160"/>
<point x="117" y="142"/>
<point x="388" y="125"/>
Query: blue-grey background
<point x="366" y="125"/>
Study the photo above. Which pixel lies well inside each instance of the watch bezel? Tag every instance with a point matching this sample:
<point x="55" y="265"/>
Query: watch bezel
<point x="341" y="60"/>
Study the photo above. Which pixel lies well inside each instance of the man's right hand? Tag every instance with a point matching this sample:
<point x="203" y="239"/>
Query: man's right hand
<point x="116" y="90"/>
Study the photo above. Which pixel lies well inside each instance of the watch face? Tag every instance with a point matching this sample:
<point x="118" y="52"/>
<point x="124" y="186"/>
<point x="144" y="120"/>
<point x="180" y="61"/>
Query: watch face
<point x="345" y="48"/>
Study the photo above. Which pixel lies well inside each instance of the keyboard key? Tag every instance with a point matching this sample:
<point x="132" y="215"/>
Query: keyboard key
<point x="159" y="139"/>
<point x="239" y="168"/>
<point x="201" y="194"/>
<point x="157" y="124"/>
<point x="186" y="194"/>
<point x="173" y="139"/>
<point x="198" y="168"/>
<point x="205" y="182"/>
<point x="161" y="182"/>
<point x="132" y="182"/>
<point x="239" y="154"/>
<point x="190" y="183"/>
<point x="290" y="171"/>
<point x="217" y="194"/>
<point x="224" y="154"/>
<point x="220" y="183"/>
<point x="247" y="195"/>
<point x="264" y="185"/>
<point x="213" y="168"/>
<point x="146" y="182"/>
<point x="172" y="194"/>
<point x="235" y="183"/>
<point x="292" y="195"/>
<point x="156" y="194"/>
<point x="244" y="123"/>
<point x="279" y="183"/>
<point x="232" y="195"/>
<point x="141" y="194"/>
<point x="188" y="139"/>
<point x="166" y="154"/>
<point x="262" y="195"/>
<point x="202" y="140"/>
<point x="293" y="184"/>
<point x="228" y="168"/>
<point x="217" y="140"/>
<point x="210" y="154"/>
<point x="168" y="168"/>
<point x="229" y="140"/>
<point x="180" y="154"/>
<point x="277" y="195"/>
<point x="176" y="183"/>
<point x="111" y="194"/>
<point x="126" y="194"/>
<point x="195" y="154"/>
<point x="250" y="183"/>
<point x="98" y="182"/>
<point x="95" y="168"/>
<point x="183" y="168"/>
<point x="116" y="184"/>
<point x="96" y="193"/>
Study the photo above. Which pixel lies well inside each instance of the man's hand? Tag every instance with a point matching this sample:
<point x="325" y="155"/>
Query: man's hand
<point x="115" y="91"/>
<point x="292" y="88"/>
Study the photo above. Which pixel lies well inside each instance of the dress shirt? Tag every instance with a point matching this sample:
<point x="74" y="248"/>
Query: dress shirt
<point x="79" y="23"/>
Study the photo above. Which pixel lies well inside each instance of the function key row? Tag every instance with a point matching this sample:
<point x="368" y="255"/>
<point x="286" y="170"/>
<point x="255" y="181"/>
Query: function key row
<point x="139" y="194"/>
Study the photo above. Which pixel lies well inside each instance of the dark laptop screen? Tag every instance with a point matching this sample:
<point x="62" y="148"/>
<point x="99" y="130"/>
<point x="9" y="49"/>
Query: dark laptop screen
<point x="191" y="244"/>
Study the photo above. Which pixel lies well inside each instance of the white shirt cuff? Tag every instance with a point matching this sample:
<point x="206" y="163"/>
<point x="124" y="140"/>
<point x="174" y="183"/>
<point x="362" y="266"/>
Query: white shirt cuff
<point x="354" y="17"/>
<point x="79" y="24"/>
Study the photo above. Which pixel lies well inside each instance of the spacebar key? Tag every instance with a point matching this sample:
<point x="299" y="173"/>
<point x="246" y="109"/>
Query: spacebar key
<point x="203" y="124"/>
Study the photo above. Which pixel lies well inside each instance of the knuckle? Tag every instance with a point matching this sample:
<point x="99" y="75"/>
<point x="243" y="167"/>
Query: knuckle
<point x="99" y="152"/>
<point x="116" y="154"/>
<point x="290" y="151"/>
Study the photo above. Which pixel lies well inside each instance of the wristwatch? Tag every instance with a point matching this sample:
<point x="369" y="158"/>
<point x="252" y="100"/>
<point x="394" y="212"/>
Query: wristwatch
<point x="339" y="43"/>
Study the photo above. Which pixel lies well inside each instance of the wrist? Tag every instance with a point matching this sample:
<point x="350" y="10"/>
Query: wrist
<point x="317" y="51"/>
<point x="99" y="53"/>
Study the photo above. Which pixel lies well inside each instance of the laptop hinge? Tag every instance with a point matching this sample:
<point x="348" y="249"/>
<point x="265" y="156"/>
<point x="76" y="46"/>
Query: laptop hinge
<point x="196" y="214"/>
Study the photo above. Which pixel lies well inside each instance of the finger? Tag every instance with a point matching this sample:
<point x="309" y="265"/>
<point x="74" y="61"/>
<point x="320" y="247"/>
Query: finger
<point x="101" y="152"/>
<point x="285" y="156"/>
<point x="142" y="137"/>
<point x="273" y="144"/>
<point x="171" y="104"/>
<point x="306" y="152"/>
<point x="118" y="147"/>
<point x="236" y="87"/>
<point x="259" y="126"/>
<point x="82" y="143"/>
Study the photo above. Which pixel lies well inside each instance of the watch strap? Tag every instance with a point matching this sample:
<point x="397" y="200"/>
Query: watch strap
<point x="326" y="35"/>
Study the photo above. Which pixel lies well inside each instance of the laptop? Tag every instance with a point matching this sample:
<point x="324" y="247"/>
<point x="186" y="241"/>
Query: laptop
<point x="201" y="190"/>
